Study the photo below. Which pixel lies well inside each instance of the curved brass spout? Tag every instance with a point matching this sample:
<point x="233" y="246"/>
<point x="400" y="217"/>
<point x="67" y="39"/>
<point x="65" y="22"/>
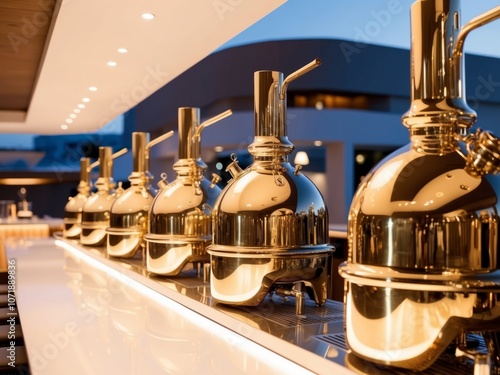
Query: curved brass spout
<point x="481" y="20"/>
<point x="117" y="154"/>
<point x="299" y="72"/>
<point x="159" y="139"/>
<point x="93" y="165"/>
<point x="196" y="138"/>
<point x="458" y="51"/>
<point x="211" y="121"/>
<point x="154" y="142"/>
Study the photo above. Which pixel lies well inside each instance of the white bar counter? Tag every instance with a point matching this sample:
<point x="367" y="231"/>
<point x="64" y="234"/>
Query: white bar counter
<point x="82" y="313"/>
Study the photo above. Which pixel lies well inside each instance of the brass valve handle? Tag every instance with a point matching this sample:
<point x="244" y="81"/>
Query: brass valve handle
<point x="483" y="154"/>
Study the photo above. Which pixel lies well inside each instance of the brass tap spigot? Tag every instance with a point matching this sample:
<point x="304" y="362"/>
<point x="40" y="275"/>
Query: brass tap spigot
<point x="483" y="154"/>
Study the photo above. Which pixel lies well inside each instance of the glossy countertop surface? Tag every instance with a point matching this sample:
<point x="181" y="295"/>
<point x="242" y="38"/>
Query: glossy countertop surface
<point x="83" y="313"/>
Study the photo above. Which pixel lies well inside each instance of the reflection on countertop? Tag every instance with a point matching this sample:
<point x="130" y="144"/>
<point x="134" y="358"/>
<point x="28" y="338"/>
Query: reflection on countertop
<point x="83" y="312"/>
<point x="115" y="317"/>
<point x="319" y="331"/>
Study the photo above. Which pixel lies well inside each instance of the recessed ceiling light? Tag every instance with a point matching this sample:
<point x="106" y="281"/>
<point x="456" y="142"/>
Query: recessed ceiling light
<point x="64" y="126"/>
<point x="86" y="100"/>
<point x="76" y="110"/>
<point x="72" y="115"/>
<point x="218" y="148"/>
<point x="111" y="63"/>
<point x="93" y="88"/>
<point x="81" y="106"/>
<point x="69" y="121"/>
<point x="122" y="50"/>
<point x="148" y="16"/>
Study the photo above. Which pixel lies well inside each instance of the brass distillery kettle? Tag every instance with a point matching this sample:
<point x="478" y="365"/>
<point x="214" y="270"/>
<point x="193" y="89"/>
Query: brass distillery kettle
<point x="180" y="226"/>
<point x="95" y="212"/>
<point x="270" y="222"/>
<point x="422" y="270"/>
<point x="129" y="213"/>
<point x="73" y="209"/>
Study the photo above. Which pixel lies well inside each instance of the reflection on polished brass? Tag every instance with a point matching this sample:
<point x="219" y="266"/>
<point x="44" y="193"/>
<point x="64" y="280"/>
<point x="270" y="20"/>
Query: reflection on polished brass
<point x="180" y="225"/>
<point x="425" y="213"/>
<point x="270" y="229"/>
<point x="129" y="214"/>
<point x="231" y="275"/>
<point x="95" y="212"/>
<point x="422" y="268"/>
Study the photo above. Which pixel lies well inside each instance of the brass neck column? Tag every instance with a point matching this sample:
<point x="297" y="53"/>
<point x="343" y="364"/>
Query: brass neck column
<point x="270" y="141"/>
<point x="106" y="162"/>
<point x="189" y="119"/>
<point x="439" y="113"/>
<point x="139" y="143"/>
<point x="85" y="184"/>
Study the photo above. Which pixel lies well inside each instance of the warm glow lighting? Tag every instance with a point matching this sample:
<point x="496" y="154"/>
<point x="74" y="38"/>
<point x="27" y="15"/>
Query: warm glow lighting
<point x="27" y="181"/>
<point x="122" y="50"/>
<point x="318" y="143"/>
<point x="76" y="110"/>
<point x="93" y="88"/>
<point x="360" y="158"/>
<point x="72" y="115"/>
<point x="148" y="16"/>
<point x="69" y="121"/>
<point x="85" y="100"/>
<point x="319" y="105"/>
<point x="301" y="158"/>
<point x="81" y="105"/>
<point x="111" y="64"/>
<point x="218" y="148"/>
<point x="64" y="127"/>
